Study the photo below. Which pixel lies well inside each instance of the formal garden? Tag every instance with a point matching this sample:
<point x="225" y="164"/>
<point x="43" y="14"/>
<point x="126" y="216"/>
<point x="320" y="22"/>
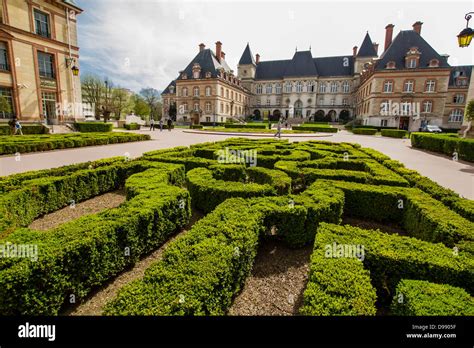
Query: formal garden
<point x="360" y="233"/>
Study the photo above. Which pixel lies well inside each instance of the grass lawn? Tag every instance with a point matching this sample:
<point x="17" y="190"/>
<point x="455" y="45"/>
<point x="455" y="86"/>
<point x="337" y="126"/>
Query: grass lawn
<point x="250" y="130"/>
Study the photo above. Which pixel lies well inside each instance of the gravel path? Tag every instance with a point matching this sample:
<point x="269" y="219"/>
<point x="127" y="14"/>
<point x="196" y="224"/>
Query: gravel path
<point x="95" y="302"/>
<point x="277" y="282"/>
<point x="74" y="211"/>
<point x="373" y="225"/>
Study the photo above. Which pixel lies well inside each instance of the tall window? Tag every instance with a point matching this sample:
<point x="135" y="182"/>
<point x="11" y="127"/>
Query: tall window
<point x="278" y="88"/>
<point x="430" y="86"/>
<point x="406" y="108"/>
<point x="322" y="87"/>
<point x="334" y="86"/>
<point x="6" y="93"/>
<point x="259" y="89"/>
<point x="299" y="87"/>
<point x="42" y="24"/>
<point x="288" y="87"/>
<point x="345" y="87"/>
<point x="388" y="87"/>
<point x="208" y="91"/>
<point x="427" y="106"/>
<point x="456" y="116"/>
<point x="268" y="102"/>
<point x="408" y="86"/>
<point x="185" y="107"/>
<point x="268" y="89"/>
<point x="184" y="92"/>
<point x="196" y="106"/>
<point x="411" y="63"/>
<point x="310" y="86"/>
<point x="458" y="99"/>
<point x="4" y="56"/>
<point x="196" y="91"/>
<point x="46" y="65"/>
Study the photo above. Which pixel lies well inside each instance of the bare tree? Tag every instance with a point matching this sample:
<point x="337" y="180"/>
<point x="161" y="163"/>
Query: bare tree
<point x="120" y="101"/>
<point x="151" y="97"/>
<point x="92" y="93"/>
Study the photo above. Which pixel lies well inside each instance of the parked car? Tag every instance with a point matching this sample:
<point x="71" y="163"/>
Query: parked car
<point x="89" y="118"/>
<point x="431" y="129"/>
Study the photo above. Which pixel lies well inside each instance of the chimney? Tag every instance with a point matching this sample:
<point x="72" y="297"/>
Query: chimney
<point x="219" y="50"/>
<point x="417" y="27"/>
<point x="223" y="55"/>
<point x="376" y="47"/>
<point x="354" y="51"/>
<point x="257" y="58"/>
<point x="201" y="47"/>
<point x="388" y="35"/>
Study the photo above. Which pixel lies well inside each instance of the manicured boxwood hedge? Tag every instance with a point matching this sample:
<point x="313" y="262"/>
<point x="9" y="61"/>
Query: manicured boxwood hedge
<point x="388" y="258"/>
<point x="132" y="126"/>
<point x="196" y="126"/>
<point x="422" y="298"/>
<point x="25" y="128"/>
<point x="444" y="144"/>
<point x="239" y="125"/>
<point x="87" y="127"/>
<point x="35" y="143"/>
<point x="364" y="131"/>
<point x="315" y="128"/>
<point x="394" y="133"/>
<point x="82" y="254"/>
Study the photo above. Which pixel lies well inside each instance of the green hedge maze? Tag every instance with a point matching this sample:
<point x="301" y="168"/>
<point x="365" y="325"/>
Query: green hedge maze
<point x="385" y="240"/>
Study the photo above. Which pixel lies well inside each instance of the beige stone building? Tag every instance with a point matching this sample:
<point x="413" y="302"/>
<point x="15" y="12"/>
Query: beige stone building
<point x="39" y="57"/>
<point x="206" y="90"/>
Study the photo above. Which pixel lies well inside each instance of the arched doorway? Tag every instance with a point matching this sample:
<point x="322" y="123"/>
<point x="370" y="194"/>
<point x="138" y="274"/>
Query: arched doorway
<point x="332" y="115"/>
<point x="298" y="108"/>
<point x="344" y="116"/>
<point x="257" y="115"/>
<point x="319" y="116"/>
<point x="275" y="116"/>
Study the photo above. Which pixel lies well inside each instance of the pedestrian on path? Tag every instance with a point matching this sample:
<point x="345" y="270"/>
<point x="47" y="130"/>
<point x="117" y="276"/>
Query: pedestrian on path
<point x="170" y="123"/>
<point x="161" y="125"/>
<point x="18" y="128"/>
<point x="278" y="133"/>
<point x="152" y="124"/>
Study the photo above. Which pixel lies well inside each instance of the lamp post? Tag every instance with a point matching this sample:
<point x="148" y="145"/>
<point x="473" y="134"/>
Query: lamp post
<point x="465" y="36"/>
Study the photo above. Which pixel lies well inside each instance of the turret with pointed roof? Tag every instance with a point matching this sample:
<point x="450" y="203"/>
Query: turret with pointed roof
<point x="247" y="66"/>
<point x="367" y="48"/>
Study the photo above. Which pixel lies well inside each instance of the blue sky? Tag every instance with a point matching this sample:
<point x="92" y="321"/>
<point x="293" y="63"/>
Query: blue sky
<point x="144" y="43"/>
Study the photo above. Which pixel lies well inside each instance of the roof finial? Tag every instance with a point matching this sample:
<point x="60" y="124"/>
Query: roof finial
<point x="310" y="47"/>
<point x="296" y="49"/>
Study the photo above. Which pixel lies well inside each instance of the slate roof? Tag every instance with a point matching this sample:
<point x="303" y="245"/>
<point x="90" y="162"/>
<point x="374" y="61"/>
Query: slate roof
<point x="167" y="89"/>
<point x="461" y="70"/>
<point x="247" y="57"/>
<point x="401" y="44"/>
<point x="208" y="62"/>
<point x="367" y="48"/>
<point x="303" y="64"/>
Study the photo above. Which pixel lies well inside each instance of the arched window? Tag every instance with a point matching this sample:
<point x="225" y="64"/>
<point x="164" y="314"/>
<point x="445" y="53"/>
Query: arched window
<point x="259" y="89"/>
<point x="196" y="91"/>
<point x="208" y="106"/>
<point x="310" y="86"/>
<point x="298" y="108"/>
<point x="322" y="87"/>
<point x="299" y="87"/>
<point x="208" y="91"/>
<point x="185" y="91"/>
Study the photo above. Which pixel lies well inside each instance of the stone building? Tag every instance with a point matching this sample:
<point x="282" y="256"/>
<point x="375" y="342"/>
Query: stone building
<point x="39" y="60"/>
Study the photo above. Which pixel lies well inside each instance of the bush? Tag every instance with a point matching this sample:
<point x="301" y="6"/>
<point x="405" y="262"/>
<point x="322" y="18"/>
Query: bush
<point x="315" y="128"/>
<point x="196" y="126"/>
<point x="364" y="131"/>
<point x="394" y="133"/>
<point x="86" y="252"/>
<point x="86" y="127"/>
<point x="132" y="126"/>
<point x="26" y="129"/>
<point x="34" y="143"/>
<point x="444" y="144"/>
<point x="250" y="126"/>
<point x="422" y="298"/>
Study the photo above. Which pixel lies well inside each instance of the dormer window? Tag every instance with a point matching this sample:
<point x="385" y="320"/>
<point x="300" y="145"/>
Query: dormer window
<point x="171" y="89"/>
<point x="434" y="63"/>
<point x="208" y="74"/>
<point x="391" y="65"/>
<point x="196" y="71"/>
<point x="184" y="76"/>
<point x="412" y="58"/>
<point x="411" y="63"/>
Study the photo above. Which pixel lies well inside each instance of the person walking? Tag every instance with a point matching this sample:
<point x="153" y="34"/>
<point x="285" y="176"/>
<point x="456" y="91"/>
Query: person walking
<point x="278" y="133"/>
<point x="161" y="125"/>
<point x="152" y="124"/>
<point x="170" y="123"/>
<point x="18" y="128"/>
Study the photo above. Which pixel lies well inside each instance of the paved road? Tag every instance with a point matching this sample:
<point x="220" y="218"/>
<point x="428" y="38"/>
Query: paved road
<point x="458" y="176"/>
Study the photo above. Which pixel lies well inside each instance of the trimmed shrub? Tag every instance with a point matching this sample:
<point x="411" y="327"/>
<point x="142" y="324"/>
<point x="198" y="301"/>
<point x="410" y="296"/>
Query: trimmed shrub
<point x="132" y="126"/>
<point x="444" y="144"/>
<point x="86" y="127"/>
<point x="86" y="252"/>
<point x="315" y="128"/>
<point x="250" y="126"/>
<point x="35" y="143"/>
<point x="26" y="129"/>
<point x="364" y="131"/>
<point x="422" y="298"/>
<point x="394" y="133"/>
<point x="196" y="126"/>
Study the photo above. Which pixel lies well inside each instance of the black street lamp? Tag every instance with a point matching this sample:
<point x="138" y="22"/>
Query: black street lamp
<point x="465" y="36"/>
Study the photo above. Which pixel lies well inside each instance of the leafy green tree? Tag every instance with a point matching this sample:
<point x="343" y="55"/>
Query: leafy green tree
<point x="140" y="107"/>
<point x="152" y="98"/>
<point x="469" y="116"/>
<point x="5" y="107"/>
<point x="120" y="100"/>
